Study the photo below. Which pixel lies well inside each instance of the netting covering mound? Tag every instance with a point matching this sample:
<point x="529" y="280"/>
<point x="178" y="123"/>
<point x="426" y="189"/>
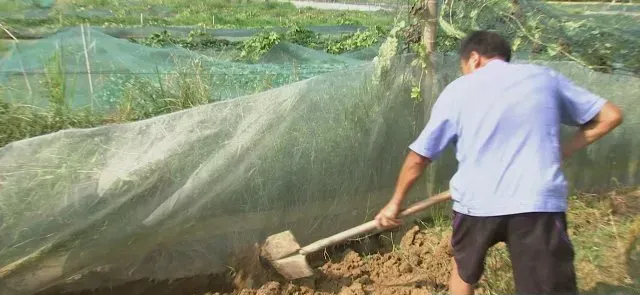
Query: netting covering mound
<point x="176" y="195"/>
<point x="287" y="53"/>
<point x="87" y="68"/>
<point x="298" y="139"/>
<point x="145" y="31"/>
<point x="184" y="193"/>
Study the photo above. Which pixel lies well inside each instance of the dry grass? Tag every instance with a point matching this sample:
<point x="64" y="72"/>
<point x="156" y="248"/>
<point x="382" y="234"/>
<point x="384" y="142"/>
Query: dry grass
<point x="605" y="230"/>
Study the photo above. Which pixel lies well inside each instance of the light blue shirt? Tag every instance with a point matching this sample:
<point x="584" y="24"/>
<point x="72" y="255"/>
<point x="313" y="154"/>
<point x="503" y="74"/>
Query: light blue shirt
<point x="504" y="120"/>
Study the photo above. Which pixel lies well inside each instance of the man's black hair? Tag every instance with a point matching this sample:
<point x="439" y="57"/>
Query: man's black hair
<point x="485" y="43"/>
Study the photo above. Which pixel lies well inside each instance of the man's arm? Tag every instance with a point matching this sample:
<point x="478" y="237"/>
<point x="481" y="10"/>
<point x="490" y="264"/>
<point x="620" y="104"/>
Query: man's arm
<point x="440" y="130"/>
<point x="609" y="117"/>
<point x="594" y="116"/>
<point x="414" y="165"/>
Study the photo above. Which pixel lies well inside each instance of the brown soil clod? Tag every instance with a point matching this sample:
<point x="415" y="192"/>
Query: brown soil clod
<point x="270" y="288"/>
<point x="420" y="264"/>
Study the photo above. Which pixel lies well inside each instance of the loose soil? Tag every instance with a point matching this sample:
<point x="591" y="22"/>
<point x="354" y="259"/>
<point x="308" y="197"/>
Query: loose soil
<point x="605" y="231"/>
<point x="419" y="264"/>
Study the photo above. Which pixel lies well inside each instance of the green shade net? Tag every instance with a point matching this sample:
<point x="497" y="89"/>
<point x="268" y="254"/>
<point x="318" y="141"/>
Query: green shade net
<point x="300" y="140"/>
<point x="200" y="184"/>
<point x="601" y="35"/>
<point x="98" y="70"/>
<point x="183" y="194"/>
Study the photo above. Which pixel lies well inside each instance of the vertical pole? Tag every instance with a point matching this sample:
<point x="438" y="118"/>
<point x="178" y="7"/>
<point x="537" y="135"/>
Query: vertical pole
<point x="88" y="64"/>
<point x="15" y="48"/>
<point x="429" y="41"/>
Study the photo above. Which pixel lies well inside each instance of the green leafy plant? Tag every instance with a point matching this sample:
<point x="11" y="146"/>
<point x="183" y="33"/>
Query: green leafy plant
<point x="543" y="32"/>
<point x="303" y="36"/>
<point x="255" y="47"/>
<point x="197" y="39"/>
<point x="360" y="39"/>
<point x="161" y="39"/>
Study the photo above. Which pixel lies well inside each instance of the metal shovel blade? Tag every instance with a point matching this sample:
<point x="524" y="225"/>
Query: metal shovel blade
<point x="279" y="246"/>
<point x="293" y="267"/>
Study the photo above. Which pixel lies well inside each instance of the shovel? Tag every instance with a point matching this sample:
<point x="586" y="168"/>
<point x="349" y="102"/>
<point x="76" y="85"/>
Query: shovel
<point x="289" y="259"/>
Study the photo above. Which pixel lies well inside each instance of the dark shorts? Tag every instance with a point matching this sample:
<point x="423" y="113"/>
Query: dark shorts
<point x="541" y="253"/>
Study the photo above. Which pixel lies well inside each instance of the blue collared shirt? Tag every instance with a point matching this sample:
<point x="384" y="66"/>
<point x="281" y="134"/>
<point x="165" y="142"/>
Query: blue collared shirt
<point x="504" y="120"/>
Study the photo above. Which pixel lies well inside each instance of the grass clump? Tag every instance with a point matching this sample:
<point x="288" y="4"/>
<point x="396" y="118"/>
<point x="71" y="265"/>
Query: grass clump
<point x="605" y="232"/>
<point x="602" y="229"/>
<point x="21" y="121"/>
<point x="142" y="98"/>
<point x="186" y="88"/>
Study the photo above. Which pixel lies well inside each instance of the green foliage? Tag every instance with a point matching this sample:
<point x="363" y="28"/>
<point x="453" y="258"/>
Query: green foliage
<point x="360" y="39"/>
<point x="158" y="40"/>
<point x="22" y="121"/>
<point x="253" y="48"/>
<point x="303" y="36"/>
<point x="258" y="45"/>
<point x="541" y="31"/>
<point x="55" y="83"/>
<point x="196" y="40"/>
<point x="211" y="13"/>
<point x="142" y="98"/>
<point x="200" y="39"/>
<point x="388" y="50"/>
<point x="145" y="98"/>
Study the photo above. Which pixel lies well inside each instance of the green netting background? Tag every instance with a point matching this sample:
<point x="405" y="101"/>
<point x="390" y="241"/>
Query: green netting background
<point x="180" y="194"/>
<point x="98" y="69"/>
<point x="299" y="140"/>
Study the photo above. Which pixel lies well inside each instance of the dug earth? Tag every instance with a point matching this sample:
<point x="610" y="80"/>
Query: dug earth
<point x="420" y="264"/>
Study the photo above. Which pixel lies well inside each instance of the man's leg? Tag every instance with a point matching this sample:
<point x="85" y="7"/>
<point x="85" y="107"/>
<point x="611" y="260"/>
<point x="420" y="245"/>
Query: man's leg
<point x="457" y="286"/>
<point x="471" y="238"/>
<point x="541" y="254"/>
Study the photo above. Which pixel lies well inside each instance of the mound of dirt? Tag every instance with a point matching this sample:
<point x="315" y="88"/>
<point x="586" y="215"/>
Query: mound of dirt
<point x="419" y="265"/>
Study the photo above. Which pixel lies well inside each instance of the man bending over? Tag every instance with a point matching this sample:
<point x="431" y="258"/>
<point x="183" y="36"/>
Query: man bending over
<point x="504" y="120"/>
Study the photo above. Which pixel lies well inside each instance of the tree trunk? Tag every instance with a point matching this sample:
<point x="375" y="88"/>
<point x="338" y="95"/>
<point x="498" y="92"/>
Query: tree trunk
<point x="430" y="91"/>
<point x="430" y="29"/>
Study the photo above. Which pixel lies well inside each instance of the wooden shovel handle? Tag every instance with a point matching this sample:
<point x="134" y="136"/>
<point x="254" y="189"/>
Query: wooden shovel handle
<point x="371" y="225"/>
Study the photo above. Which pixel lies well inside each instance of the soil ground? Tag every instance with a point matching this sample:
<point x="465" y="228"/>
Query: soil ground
<point x="420" y="264"/>
<point x="605" y="230"/>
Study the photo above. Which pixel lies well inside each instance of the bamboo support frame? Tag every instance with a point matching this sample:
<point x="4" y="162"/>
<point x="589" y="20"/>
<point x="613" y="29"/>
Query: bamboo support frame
<point x="88" y="64"/>
<point x="15" y="47"/>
